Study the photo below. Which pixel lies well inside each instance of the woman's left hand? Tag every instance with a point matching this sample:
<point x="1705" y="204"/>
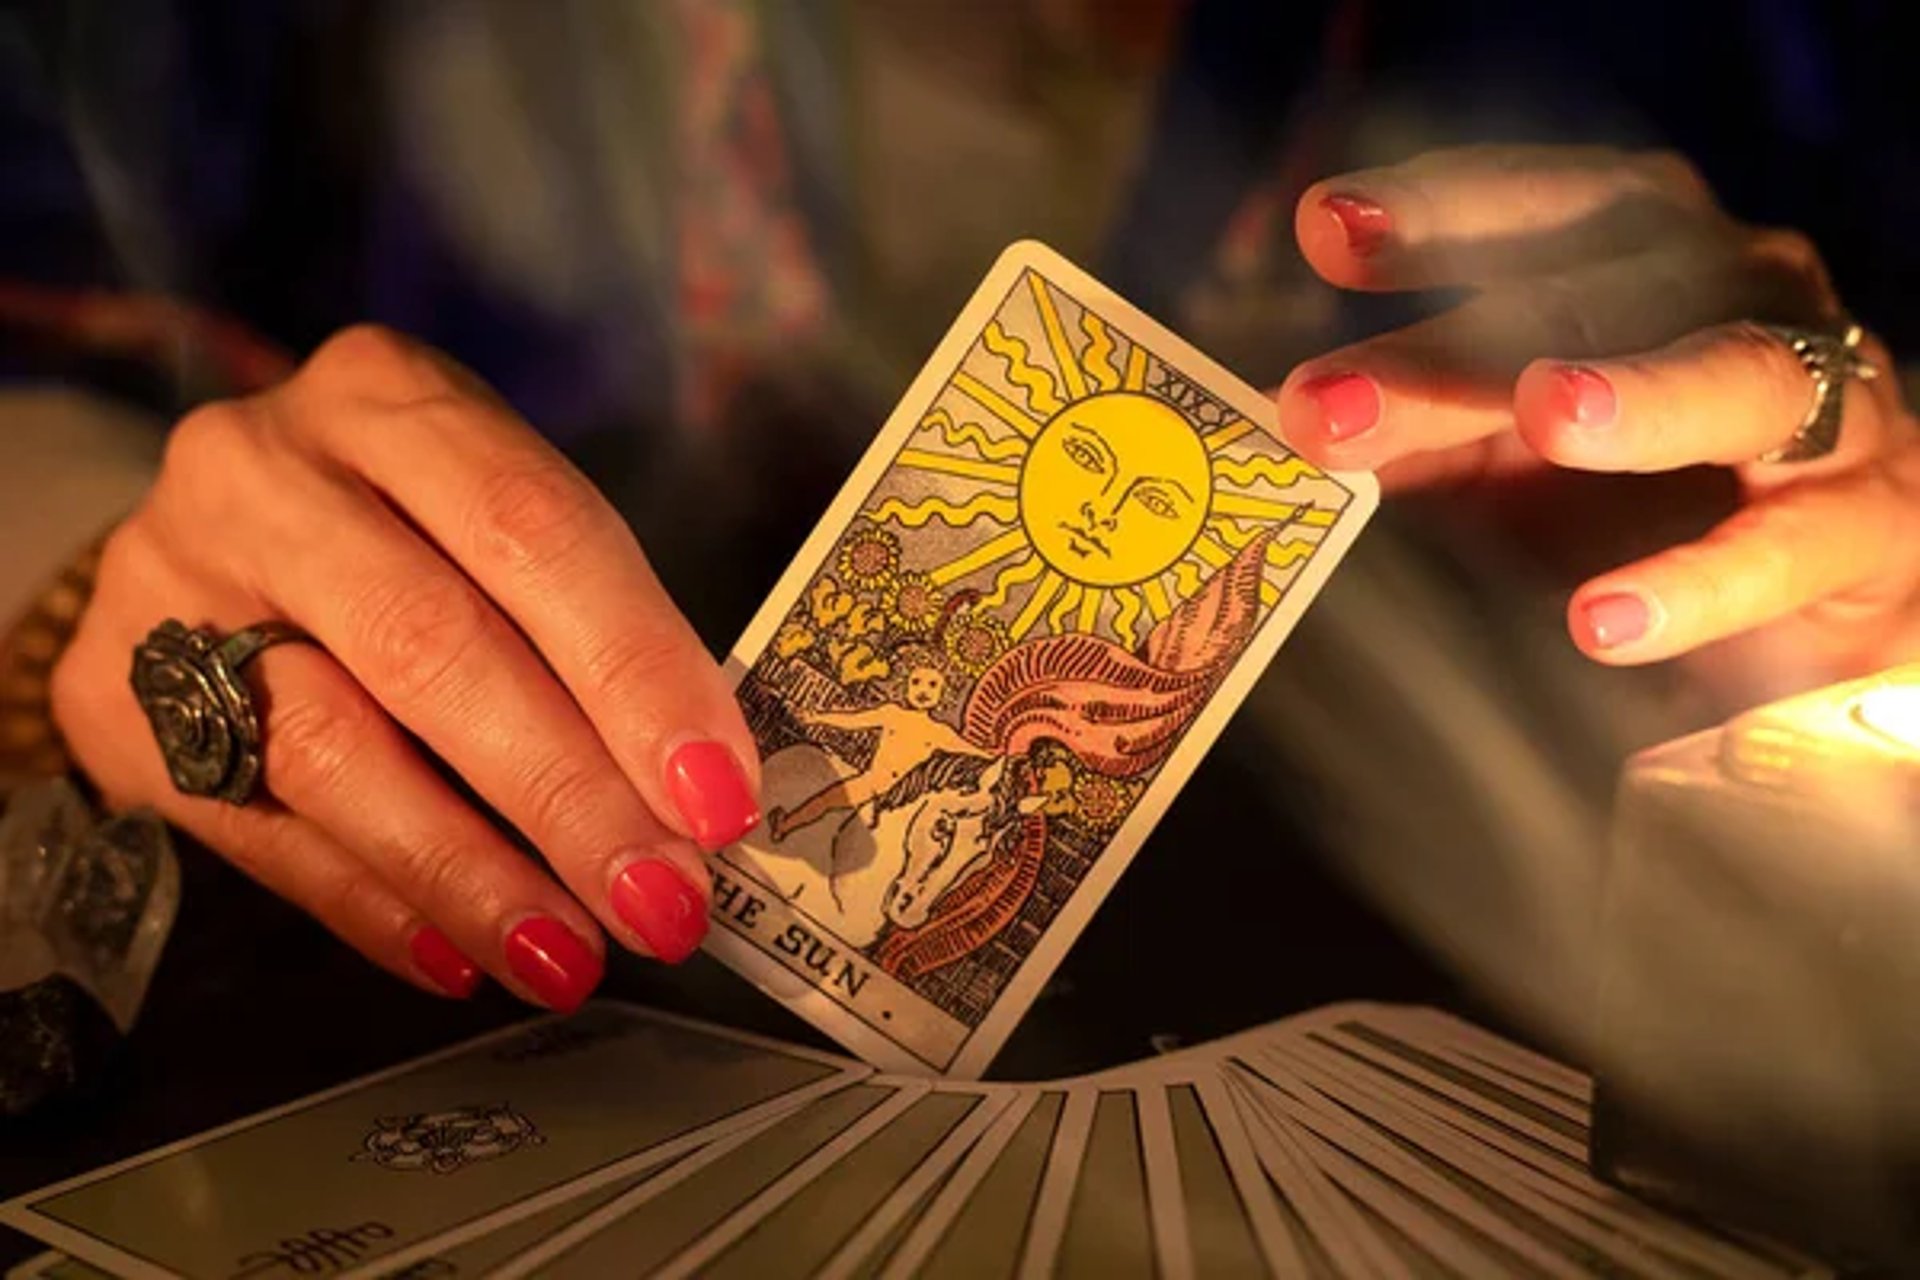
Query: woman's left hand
<point x="1619" y="325"/>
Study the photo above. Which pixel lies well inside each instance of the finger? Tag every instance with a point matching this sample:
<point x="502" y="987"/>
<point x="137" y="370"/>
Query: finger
<point x="329" y="750"/>
<point x="1450" y="380"/>
<point x="284" y="853"/>
<point x="542" y="543"/>
<point x="1725" y="395"/>
<point x="1481" y="214"/>
<point x="1852" y="537"/>
<point x="438" y="658"/>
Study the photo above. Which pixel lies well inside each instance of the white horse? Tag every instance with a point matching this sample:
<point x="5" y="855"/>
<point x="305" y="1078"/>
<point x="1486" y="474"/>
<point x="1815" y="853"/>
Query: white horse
<point x="889" y="862"/>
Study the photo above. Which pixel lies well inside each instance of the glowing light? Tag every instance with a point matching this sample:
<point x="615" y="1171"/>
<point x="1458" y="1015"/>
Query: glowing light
<point x="1893" y="712"/>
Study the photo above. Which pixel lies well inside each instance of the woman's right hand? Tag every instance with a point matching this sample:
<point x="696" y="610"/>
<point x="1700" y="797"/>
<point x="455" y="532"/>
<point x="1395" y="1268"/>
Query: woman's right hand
<point x="470" y="593"/>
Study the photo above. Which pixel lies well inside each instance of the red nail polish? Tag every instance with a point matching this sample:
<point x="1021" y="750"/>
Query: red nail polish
<point x="1365" y="223"/>
<point x="443" y="963"/>
<point x="710" y="790"/>
<point x="656" y="900"/>
<point x="1349" y="403"/>
<point x="1617" y="619"/>
<point x="1583" y="397"/>
<point x="554" y="962"/>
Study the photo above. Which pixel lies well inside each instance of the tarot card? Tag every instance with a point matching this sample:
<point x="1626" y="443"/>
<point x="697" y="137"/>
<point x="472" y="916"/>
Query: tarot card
<point x="977" y="1224"/>
<point x="646" y="1229"/>
<point x="393" y="1168"/>
<point x="867" y="1250"/>
<point x="1233" y="1225"/>
<point x="1556" y="1200"/>
<point x="821" y="1225"/>
<point x="1053" y="1202"/>
<point x="1064" y="561"/>
<point x="1109" y="1228"/>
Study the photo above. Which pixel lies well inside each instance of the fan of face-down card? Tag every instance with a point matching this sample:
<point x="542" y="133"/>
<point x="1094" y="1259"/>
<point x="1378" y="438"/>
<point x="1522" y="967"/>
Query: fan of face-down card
<point x="1357" y="1140"/>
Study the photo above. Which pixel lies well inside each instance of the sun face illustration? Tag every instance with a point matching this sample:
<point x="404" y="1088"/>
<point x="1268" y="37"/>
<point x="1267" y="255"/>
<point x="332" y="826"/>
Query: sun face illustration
<point x="1079" y="483"/>
<point x="1114" y="489"/>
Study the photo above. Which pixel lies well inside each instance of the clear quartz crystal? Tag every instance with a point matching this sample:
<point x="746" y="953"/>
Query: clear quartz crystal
<point x="91" y="900"/>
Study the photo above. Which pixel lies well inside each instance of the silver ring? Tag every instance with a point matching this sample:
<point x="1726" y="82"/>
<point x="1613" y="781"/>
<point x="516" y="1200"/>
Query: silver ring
<point x="203" y="715"/>
<point x="1829" y="362"/>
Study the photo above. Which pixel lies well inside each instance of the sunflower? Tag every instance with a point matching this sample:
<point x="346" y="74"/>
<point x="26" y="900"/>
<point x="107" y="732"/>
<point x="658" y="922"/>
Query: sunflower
<point x="869" y="558"/>
<point x="974" y="640"/>
<point x="917" y="603"/>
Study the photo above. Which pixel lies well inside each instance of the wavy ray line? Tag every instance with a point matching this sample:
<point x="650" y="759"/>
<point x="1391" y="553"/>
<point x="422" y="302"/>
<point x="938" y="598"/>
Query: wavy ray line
<point x="997" y="405"/>
<point x="1043" y="393"/>
<point x="1023" y="571"/>
<point x="1090" y="604"/>
<point x="1059" y="617"/>
<point x="1187" y="579"/>
<point x="971" y="435"/>
<point x="995" y="507"/>
<point x="1278" y="472"/>
<point x="1098" y="360"/>
<point x="1136" y="368"/>
<point x="1128" y="615"/>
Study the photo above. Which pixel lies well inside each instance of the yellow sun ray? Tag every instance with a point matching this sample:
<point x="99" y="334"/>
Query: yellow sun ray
<point x="1043" y="393"/>
<point x="1187" y="579"/>
<point x="1269" y="594"/>
<point x="998" y="405"/>
<point x="1000" y="508"/>
<point x="1286" y="554"/>
<point x="990" y="552"/>
<point x="1090" y="609"/>
<point x="1231" y="532"/>
<point x="1215" y="441"/>
<point x="1155" y="592"/>
<point x="1239" y="504"/>
<point x="1319" y="517"/>
<point x="1013" y="575"/>
<point x="1099" y="358"/>
<point x="1036" y="604"/>
<point x="1128" y="614"/>
<point x="1063" y="357"/>
<point x="1060" y="617"/>
<point x="1208" y="548"/>
<point x="948" y="465"/>
<point x="1278" y="472"/>
<point x="971" y="435"/>
<point x="1136" y="368"/>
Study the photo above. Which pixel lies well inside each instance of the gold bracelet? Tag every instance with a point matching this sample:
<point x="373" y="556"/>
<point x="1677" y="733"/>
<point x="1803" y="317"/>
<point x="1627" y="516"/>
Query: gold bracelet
<point x="30" y="744"/>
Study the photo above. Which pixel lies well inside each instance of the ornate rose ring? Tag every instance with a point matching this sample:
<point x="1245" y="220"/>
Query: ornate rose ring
<point x="188" y="682"/>
<point x="1829" y="361"/>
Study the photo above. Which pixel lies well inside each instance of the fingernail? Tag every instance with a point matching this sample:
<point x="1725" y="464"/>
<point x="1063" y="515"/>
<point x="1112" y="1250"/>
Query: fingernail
<point x="552" y="960"/>
<point x="443" y="963"/>
<point x="1365" y="223"/>
<point x="710" y="789"/>
<point x="660" y="904"/>
<point x="1617" y="619"/>
<point x="1349" y="403"/>
<point x="1583" y="397"/>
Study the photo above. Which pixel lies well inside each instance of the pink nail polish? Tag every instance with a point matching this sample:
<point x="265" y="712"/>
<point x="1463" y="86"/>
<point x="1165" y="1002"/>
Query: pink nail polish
<point x="1365" y="223"/>
<point x="1583" y="397"/>
<point x="710" y="789"/>
<point x="1617" y="619"/>
<point x="443" y="963"/>
<point x="552" y="960"/>
<point x="656" y="900"/>
<point x="1349" y="403"/>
